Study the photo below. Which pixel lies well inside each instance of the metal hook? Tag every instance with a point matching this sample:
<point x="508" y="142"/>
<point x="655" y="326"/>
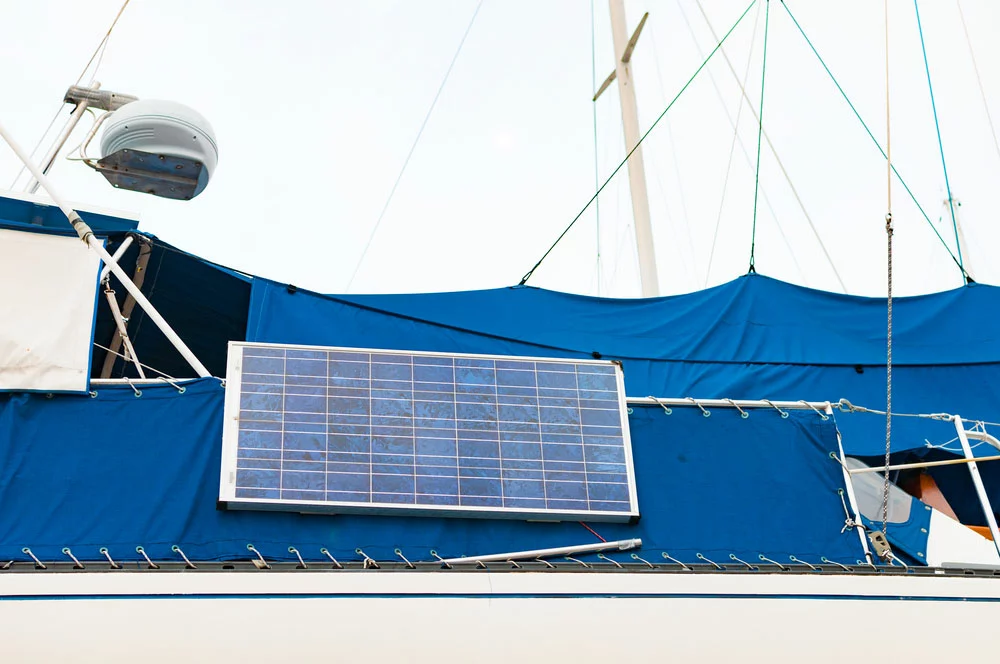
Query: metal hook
<point x="104" y="552"/>
<point x="302" y="563"/>
<point x="827" y="561"/>
<point x="575" y="560"/>
<point x="177" y="549"/>
<point x="6" y="565"/>
<point x="513" y="564"/>
<point x="643" y="560"/>
<point x="259" y="563"/>
<point x="409" y="565"/>
<point x="750" y="567"/>
<point x="76" y="563"/>
<point x="369" y="562"/>
<point x="700" y="407"/>
<point x="545" y="562"/>
<point x="701" y="557"/>
<point x="743" y="413"/>
<point x="662" y="405"/>
<point x="141" y="551"/>
<point x="675" y="561"/>
<point x="783" y="413"/>
<point x="610" y="560"/>
<point x="481" y="565"/>
<point x="38" y="563"/>
<point x="822" y="415"/>
<point x="444" y="564"/>
<point x="138" y="392"/>
<point x="327" y="553"/>
<point x="802" y="562"/>
<point x="773" y="562"/>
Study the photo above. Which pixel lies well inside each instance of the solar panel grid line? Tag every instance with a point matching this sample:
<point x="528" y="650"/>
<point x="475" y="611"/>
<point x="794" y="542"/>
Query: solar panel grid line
<point x="488" y="459"/>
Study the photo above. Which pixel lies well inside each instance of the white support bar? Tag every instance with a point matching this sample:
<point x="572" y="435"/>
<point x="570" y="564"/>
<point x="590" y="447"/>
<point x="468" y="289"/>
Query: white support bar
<point x="122" y="248"/>
<point x="922" y="464"/>
<point x="824" y="407"/>
<point x="619" y="545"/>
<point x="87" y="235"/>
<point x="50" y="156"/>
<point x="852" y="500"/>
<point x="977" y="480"/>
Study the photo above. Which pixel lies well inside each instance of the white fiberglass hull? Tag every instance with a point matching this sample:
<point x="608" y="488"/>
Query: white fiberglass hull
<point x="480" y="616"/>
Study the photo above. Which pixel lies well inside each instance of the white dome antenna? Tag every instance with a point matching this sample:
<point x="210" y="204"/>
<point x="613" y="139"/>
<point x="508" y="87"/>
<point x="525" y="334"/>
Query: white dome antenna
<point x="158" y="147"/>
<point x="151" y="146"/>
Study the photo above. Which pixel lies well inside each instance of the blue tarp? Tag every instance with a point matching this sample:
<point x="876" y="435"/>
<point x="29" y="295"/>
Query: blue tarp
<point x="118" y="471"/>
<point x="752" y="338"/>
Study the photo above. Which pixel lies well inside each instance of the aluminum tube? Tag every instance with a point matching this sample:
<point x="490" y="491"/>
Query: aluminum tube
<point x="122" y="248"/>
<point x="977" y="481"/>
<point x="619" y="545"/>
<point x="922" y="464"/>
<point x="722" y="403"/>
<point x="87" y="235"/>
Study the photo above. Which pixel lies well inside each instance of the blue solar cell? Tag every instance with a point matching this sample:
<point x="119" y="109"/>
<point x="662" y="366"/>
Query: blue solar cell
<point x="349" y="428"/>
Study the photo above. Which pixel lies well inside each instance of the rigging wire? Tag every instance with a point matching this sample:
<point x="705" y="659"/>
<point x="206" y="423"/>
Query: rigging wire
<point x="937" y="128"/>
<point x="888" y="333"/>
<point x="774" y="153"/>
<point x="685" y="218"/>
<point x="878" y="145"/>
<point x="979" y="80"/>
<point x="732" y="147"/>
<point x="597" y="175"/>
<point x="101" y="47"/>
<point x="416" y="140"/>
<point x="760" y="129"/>
<point x="624" y="161"/>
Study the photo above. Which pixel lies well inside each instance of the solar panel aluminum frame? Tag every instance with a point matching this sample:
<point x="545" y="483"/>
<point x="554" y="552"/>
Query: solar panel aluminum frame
<point x="230" y="450"/>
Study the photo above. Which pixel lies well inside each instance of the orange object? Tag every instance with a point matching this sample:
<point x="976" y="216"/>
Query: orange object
<point x="926" y="489"/>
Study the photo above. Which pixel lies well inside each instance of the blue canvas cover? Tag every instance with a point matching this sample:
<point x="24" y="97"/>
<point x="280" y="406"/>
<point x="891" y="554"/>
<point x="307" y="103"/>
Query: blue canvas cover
<point x="119" y="471"/>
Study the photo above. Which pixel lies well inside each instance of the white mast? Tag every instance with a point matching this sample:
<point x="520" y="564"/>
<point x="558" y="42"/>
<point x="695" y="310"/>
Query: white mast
<point x="630" y="123"/>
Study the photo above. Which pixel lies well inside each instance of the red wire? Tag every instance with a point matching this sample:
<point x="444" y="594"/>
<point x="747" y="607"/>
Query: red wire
<point x="596" y="534"/>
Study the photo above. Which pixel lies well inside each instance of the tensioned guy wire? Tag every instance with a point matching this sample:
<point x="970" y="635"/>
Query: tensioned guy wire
<point x="99" y="50"/>
<point x="760" y="129"/>
<point x="937" y="129"/>
<point x="416" y="140"/>
<point x="624" y="161"/>
<point x="878" y="145"/>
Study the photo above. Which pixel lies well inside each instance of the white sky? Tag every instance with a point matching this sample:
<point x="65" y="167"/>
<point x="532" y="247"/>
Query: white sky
<point x="316" y="104"/>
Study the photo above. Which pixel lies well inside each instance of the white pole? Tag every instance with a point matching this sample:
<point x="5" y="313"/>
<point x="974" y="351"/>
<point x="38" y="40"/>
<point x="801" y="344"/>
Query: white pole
<point x="620" y="545"/>
<point x="87" y="235"/>
<point x="636" y="170"/>
<point x="977" y="481"/>
<point x="852" y="499"/>
<point x="50" y="156"/>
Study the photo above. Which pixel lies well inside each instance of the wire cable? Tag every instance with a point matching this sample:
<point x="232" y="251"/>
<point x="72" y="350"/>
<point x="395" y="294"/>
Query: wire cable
<point x="878" y="145"/>
<point x="597" y="174"/>
<point x="777" y="161"/>
<point x="937" y="128"/>
<point x="624" y="161"/>
<point x="760" y="129"/>
<point x="100" y="49"/>
<point x="732" y="149"/>
<point x="979" y="80"/>
<point x="406" y="161"/>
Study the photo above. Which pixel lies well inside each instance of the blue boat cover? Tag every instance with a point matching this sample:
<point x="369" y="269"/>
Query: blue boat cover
<point x="118" y="471"/>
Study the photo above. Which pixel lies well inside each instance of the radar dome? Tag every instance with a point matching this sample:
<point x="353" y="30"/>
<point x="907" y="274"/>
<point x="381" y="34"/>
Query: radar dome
<point x="159" y="147"/>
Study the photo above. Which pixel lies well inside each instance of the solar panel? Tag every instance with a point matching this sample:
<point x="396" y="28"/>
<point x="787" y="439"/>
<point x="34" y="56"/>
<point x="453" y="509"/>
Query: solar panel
<point x="358" y="430"/>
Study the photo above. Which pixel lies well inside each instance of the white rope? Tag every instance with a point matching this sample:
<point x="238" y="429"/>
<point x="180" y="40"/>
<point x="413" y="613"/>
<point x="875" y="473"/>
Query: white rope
<point x="888" y="334"/>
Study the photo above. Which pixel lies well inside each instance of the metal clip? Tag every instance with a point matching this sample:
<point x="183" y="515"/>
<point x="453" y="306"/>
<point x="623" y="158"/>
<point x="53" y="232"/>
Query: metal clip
<point x="176" y="549"/>
<point x="38" y="563"/>
<point x="369" y="562"/>
<point x="141" y="551"/>
<point x="76" y="563"/>
<point x="700" y="407"/>
<point x="409" y="565"/>
<point x="743" y="413"/>
<point x="327" y="553"/>
<point x="259" y="561"/>
<point x="104" y="552"/>
<point x="302" y="563"/>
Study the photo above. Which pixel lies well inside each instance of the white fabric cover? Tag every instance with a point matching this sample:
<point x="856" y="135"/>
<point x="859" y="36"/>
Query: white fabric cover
<point x="48" y="291"/>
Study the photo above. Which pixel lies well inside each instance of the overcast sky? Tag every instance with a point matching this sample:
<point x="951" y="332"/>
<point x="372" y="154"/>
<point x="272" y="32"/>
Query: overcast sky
<point x="316" y="104"/>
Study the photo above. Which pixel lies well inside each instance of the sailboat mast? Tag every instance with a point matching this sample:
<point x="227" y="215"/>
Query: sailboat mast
<point x="636" y="170"/>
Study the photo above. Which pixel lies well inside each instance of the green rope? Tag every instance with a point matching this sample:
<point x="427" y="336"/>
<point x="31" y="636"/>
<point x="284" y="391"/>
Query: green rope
<point x="624" y="161"/>
<point x="760" y="130"/>
<point x="877" y="144"/>
<point x="937" y="128"/>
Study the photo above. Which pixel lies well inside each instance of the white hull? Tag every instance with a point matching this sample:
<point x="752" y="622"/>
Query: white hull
<point x="479" y="616"/>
